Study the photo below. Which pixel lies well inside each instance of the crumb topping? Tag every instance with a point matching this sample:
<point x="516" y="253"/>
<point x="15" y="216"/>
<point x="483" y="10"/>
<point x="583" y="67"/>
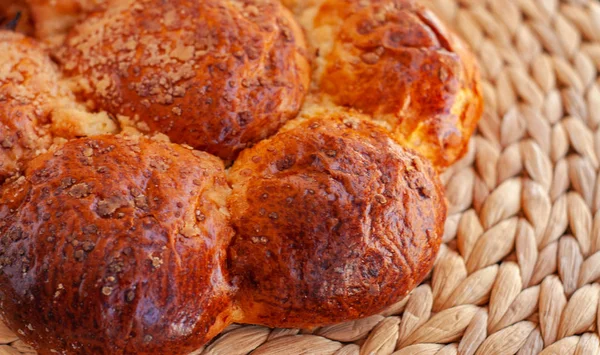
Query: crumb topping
<point x="27" y="89"/>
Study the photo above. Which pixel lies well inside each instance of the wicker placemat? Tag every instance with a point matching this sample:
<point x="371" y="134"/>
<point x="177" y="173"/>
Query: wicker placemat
<point x="517" y="273"/>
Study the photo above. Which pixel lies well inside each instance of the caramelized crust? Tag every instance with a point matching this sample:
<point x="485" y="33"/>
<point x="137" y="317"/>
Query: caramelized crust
<point x="394" y="60"/>
<point x="27" y="91"/>
<point x="116" y="245"/>
<point x="122" y="244"/>
<point x="218" y="75"/>
<point x="334" y="221"/>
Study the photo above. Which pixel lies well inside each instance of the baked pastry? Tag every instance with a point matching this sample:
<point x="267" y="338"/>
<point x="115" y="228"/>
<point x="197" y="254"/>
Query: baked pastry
<point x="117" y="237"/>
<point x="216" y="75"/>
<point x="334" y="221"/>
<point x="136" y="232"/>
<point x="35" y="106"/>
<point x="395" y="60"/>
<point x="27" y="87"/>
<point x="115" y="245"/>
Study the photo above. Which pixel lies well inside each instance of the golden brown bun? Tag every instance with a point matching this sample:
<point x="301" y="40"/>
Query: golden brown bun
<point x="334" y="221"/>
<point x="27" y="91"/>
<point x="218" y="75"/>
<point x="394" y="60"/>
<point x="54" y="18"/>
<point x="116" y="245"/>
<point x="125" y="244"/>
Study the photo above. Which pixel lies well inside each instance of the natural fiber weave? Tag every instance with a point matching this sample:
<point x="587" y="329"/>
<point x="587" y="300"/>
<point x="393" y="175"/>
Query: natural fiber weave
<point x="518" y="270"/>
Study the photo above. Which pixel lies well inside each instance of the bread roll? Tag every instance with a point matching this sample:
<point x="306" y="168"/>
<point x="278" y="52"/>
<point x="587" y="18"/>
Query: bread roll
<point x="28" y="88"/>
<point x="335" y="221"/>
<point x="394" y="60"/>
<point x="115" y="245"/>
<point x="218" y="75"/>
<point x="125" y="244"/>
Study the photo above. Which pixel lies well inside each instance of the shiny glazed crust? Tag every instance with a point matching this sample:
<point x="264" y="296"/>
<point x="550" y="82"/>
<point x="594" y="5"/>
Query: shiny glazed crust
<point x="395" y="60"/>
<point x="116" y="245"/>
<point x="217" y="75"/>
<point x="334" y="221"/>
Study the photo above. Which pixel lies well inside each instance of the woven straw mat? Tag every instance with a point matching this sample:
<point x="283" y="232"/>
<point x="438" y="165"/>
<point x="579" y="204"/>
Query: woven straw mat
<point x="519" y="268"/>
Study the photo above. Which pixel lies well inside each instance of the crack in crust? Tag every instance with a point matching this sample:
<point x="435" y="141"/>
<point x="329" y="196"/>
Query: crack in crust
<point x="394" y="60"/>
<point x="53" y="19"/>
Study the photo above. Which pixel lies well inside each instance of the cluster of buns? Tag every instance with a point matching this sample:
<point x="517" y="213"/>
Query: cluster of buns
<point x="168" y="168"/>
